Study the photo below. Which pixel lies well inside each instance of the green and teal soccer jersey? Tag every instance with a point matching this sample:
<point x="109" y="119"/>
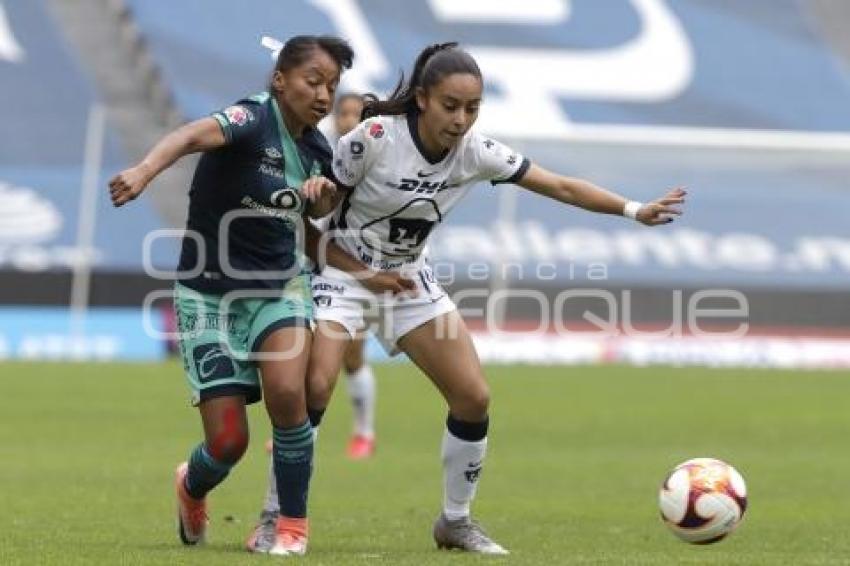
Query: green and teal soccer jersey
<point x="244" y="204"/>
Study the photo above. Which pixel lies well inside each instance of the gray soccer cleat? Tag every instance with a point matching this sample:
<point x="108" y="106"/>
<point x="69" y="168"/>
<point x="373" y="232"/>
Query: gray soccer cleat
<point x="464" y="534"/>
<point x="264" y="535"/>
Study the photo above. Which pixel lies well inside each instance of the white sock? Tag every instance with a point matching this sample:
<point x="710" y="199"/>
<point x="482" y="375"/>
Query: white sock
<point x="272" y="503"/>
<point x="462" y="462"/>
<point x="361" y="389"/>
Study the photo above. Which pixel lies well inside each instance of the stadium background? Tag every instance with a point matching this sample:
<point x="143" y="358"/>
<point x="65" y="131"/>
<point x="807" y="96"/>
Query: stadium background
<point x="636" y="95"/>
<point x="746" y="103"/>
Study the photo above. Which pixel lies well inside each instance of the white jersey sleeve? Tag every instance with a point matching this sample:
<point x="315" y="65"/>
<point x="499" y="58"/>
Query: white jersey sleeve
<point x="328" y="129"/>
<point x="496" y="162"/>
<point x="357" y="151"/>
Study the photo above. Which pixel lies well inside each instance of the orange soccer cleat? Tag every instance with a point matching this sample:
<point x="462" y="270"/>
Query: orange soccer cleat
<point x="191" y="513"/>
<point x="291" y="537"/>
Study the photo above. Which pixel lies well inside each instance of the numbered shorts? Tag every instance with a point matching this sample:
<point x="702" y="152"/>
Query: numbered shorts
<point x="219" y="334"/>
<point x="339" y="298"/>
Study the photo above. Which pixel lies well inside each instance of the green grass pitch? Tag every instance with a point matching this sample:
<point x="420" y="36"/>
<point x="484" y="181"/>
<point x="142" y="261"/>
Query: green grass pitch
<point x="87" y="454"/>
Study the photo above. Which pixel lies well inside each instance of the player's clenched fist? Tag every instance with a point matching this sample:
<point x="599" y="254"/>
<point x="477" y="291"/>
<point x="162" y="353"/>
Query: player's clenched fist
<point x="128" y="184"/>
<point x="316" y="188"/>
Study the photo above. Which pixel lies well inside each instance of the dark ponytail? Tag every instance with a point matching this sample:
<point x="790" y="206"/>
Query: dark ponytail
<point x="433" y="63"/>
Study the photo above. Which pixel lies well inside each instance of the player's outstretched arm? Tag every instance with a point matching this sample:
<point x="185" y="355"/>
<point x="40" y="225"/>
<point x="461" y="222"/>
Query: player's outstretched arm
<point x="588" y="196"/>
<point x="201" y="135"/>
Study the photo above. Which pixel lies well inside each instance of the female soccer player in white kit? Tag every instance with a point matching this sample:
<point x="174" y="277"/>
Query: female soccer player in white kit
<point x="404" y="168"/>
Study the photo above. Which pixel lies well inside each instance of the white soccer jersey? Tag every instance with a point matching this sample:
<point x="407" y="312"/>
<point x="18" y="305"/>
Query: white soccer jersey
<point x="327" y="126"/>
<point x="396" y="196"/>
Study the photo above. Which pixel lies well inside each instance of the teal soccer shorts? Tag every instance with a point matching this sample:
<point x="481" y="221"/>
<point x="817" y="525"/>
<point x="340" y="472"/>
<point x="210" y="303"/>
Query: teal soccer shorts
<point x="219" y="334"/>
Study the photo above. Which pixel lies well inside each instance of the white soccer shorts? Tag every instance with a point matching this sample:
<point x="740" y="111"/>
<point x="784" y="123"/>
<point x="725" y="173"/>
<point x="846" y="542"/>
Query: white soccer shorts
<point x="340" y="298"/>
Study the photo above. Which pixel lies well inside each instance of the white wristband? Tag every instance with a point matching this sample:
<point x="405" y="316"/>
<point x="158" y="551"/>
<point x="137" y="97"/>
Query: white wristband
<point x="631" y="209"/>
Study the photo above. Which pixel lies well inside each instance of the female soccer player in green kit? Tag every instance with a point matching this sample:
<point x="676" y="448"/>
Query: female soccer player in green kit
<point x="243" y="298"/>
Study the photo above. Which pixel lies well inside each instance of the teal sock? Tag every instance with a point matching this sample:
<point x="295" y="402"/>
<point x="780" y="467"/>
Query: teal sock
<point x="293" y="465"/>
<point x="205" y="472"/>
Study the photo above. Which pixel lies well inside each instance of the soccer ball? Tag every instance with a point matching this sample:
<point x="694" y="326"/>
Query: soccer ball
<point x="703" y="500"/>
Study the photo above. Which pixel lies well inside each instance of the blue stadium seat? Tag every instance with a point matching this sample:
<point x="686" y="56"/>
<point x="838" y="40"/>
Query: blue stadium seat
<point x="755" y="65"/>
<point x="755" y="217"/>
<point x="46" y="98"/>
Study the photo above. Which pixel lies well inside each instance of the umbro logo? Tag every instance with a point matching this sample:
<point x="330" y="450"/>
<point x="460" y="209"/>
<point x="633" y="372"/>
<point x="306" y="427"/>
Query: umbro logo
<point x="422" y="174"/>
<point x="273" y="153"/>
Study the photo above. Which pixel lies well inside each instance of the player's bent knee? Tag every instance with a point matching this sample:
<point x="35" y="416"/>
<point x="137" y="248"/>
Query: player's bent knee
<point x="480" y="402"/>
<point x="321" y="387"/>
<point x="230" y="453"/>
<point x="286" y="396"/>
<point x="319" y="398"/>
<point x="472" y="405"/>
<point x="354" y="361"/>
<point x="229" y="444"/>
